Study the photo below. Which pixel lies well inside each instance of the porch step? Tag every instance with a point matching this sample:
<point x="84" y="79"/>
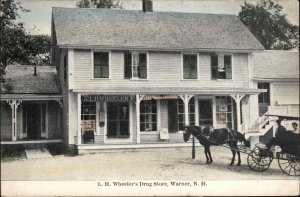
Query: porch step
<point x="37" y="153"/>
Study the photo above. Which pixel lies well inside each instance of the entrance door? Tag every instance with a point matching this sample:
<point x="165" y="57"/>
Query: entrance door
<point x="205" y="112"/>
<point x="33" y="121"/>
<point x="118" y="120"/>
<point x="173" y="116"/>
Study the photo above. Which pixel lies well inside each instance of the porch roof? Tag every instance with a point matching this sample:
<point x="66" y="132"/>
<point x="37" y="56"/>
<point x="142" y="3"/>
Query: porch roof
<point x="31" y="97"/>
<point x="20" y="79"/>
<point x="171" y="91"/>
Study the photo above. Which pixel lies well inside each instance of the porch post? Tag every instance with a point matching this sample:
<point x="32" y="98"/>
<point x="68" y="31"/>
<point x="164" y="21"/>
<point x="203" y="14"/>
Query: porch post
<point x="78" y="118"/>
<point x="196" y="110"/>
<point x="186" y="98"/>
<point x="238" y="98"/>
<point x="14" y="106"/>
<point x="137" y="108"/>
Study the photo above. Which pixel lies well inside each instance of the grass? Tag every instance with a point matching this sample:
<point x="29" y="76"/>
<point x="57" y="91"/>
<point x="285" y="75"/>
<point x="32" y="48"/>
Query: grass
<point x="12" y="152"/>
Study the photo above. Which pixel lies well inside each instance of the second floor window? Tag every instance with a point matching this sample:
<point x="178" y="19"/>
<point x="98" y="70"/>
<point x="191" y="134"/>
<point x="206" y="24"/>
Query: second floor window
<point x="190" y="70"/>
<point x="221" y="66"/>
<point x="101" y="65"/>
<point x="135" y="65"/>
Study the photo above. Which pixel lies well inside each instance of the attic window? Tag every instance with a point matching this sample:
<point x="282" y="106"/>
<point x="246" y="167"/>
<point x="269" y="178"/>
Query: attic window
<point x="221" y="66"/>
<point x="135" y="65"/>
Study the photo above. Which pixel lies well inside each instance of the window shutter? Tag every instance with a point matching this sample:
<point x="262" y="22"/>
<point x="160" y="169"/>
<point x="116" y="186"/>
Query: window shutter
<point x="127" y="65"/>
<point x="214" y="66"/>
<point x="143" y="65"/>
<point x="227" y="65"/>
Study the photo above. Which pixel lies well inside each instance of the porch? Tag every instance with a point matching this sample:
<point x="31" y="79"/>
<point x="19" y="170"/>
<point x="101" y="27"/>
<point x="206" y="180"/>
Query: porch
<point x="154" y="119"/>
<point x="30" y="119"/>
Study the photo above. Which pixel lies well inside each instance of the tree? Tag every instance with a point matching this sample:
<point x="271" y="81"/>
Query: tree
<point x="17" y="46"/>
<point x="269" y="25"/>
<point x="99" y="4"/>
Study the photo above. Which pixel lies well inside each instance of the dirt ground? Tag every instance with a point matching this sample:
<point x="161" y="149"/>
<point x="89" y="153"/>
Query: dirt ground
<point x="138" y="164"/>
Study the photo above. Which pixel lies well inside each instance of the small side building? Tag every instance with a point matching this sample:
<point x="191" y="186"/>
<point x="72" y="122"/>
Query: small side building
<point x="30" y="105"/>
<point x="277" y="72"/>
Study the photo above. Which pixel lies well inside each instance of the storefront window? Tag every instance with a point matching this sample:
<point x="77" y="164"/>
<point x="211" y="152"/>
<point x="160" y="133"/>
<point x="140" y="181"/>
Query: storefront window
<point x="224" y="109"/>
<point x="148" y="116"/>
<point x="88" y="121"/>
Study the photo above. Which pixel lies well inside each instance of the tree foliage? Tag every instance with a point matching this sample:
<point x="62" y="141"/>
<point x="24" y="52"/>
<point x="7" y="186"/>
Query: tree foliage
<point x="269" y="25"/>
<point x="99" y="4"/>
<point x="17" y="46"/>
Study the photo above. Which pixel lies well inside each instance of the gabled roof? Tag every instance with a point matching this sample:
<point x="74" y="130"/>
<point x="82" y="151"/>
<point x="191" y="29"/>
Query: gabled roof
<point x="275" y="64"/>
<point x="20" y="80"/>
<point x="122" y="29"/>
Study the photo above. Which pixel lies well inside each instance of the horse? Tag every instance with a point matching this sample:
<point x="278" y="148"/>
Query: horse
<point x="209" y="136"/>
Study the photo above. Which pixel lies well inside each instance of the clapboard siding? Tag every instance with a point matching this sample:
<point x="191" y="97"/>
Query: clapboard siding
<point x="164" y="71"/>
<point x="285" y="93"/>
<point x="54" y="122"/>
<point x="6" y="134"/>
<point x="146" y="138"/>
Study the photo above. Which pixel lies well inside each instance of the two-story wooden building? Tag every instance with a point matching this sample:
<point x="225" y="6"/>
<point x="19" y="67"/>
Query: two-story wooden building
<point x="135" y="78"/>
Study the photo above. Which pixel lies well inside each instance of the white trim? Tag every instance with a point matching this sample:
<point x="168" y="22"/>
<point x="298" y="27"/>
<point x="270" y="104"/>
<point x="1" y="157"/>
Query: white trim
<point x="105" y="122"/>
<point x="109" y="64"/>
<point x="21" y="122"/>
<point x="79" y="135"/>
<point x="97" y="127"/>
<point x="158" y="116"/>
<point x="271" y="86"/>
<point x="214" y="106"/>
<point x="138" y="130"/>
<point x="130" y="122"/>
<point x="71" y="65"/>
<point x="196" y="99"/>
<point x="232" y="67"/>
<point x="198" y="66"/>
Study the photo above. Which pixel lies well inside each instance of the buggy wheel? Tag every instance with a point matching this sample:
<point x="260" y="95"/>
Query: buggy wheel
<point x="289" y="164"/>
<point x="259" y="160"/>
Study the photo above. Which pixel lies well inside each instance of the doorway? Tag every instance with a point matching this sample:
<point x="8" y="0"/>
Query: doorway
<point x="172" y="116"/>
<point x="117" y="120"/>
<point x="34" y="120"/>
<point x="205" y="112"/>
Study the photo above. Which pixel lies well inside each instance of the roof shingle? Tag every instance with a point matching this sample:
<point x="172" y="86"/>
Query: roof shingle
<point x="20" y="80"/>
<point x="276" y="64"/>
<point x="152" y="30"/>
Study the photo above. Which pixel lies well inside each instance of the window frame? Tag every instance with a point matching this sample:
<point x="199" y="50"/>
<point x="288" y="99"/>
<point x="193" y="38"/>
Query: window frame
<point x="182" y="69"/>
<point x="145" y="113"/>
<point x="232" y="66"/>
<point x="147" y="64"/>
<point x="93" y="66"/>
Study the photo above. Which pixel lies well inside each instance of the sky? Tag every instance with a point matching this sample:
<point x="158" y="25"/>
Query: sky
<point x="38" y="20"/>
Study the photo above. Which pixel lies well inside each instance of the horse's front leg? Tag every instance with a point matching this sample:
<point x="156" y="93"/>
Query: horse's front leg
<point x="209" y="154"/>
<point x="233" y="156"/>
<point x="239" y="157"/>
<point x="206" y="155"/>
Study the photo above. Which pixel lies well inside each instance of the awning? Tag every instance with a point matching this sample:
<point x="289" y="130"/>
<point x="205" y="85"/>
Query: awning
<point x="160" y="97"/>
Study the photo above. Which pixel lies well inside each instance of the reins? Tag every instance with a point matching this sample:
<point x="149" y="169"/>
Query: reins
<point x="243" y="149"/>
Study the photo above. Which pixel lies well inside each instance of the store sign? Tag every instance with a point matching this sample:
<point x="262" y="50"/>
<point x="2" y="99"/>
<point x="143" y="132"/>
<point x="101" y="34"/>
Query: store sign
<point x="94" y="98"/>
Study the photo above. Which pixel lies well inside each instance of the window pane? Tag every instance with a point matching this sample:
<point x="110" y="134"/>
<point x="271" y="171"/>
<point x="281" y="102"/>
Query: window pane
<point x="101" y="67"/>
<point x="104" y="72"/>
<point x="190" y="66"/>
